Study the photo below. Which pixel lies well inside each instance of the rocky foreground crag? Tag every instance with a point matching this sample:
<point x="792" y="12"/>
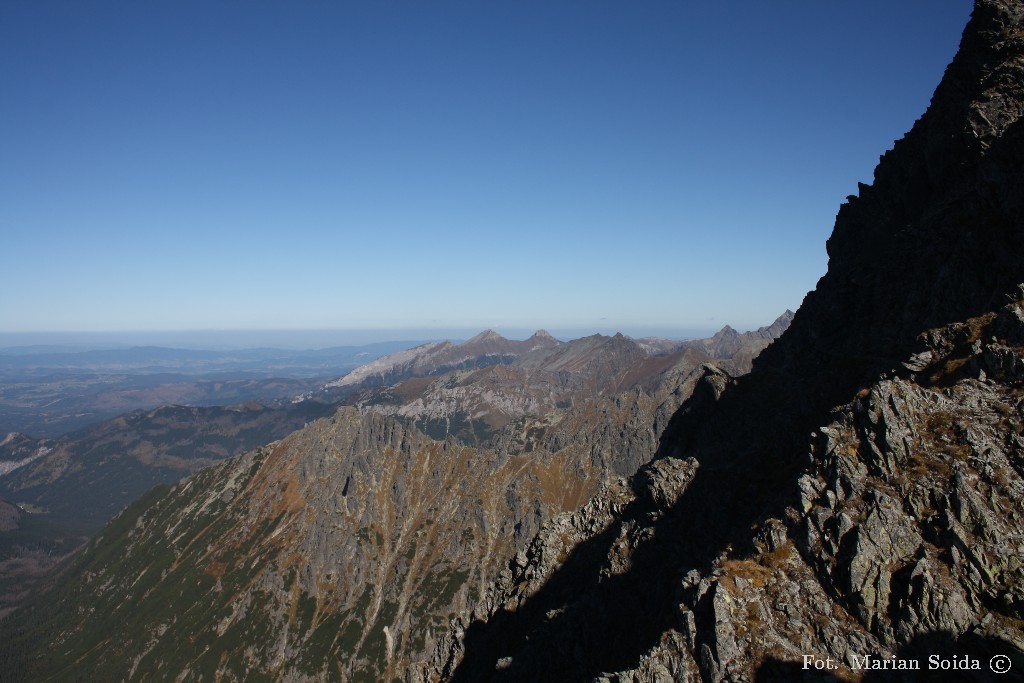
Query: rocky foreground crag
<point x="858" y="493"/>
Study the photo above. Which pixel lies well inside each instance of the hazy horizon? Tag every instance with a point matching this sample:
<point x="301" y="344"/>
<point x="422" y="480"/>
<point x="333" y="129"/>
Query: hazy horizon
<point x="316" y="339"/>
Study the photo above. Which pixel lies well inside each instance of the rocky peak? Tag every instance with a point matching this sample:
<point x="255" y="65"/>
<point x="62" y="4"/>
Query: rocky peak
<point x="906" y="254"/>
<point x="780" y="325"/>
<point x="485" y="336"/>
<point x="542" y="336"/>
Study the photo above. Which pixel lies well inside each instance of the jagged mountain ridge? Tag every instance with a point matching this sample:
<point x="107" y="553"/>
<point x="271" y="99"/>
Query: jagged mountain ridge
<point x="740" y="348"/>
<point x="870" y="460"/>
<point x="541" y="349"/>
<point x="536" y="390"/>
<point x="902" y="537"/>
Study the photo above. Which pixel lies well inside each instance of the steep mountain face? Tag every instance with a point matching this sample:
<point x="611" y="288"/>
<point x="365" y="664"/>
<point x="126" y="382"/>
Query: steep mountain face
<point x="338" y="553"/>
<point x="936" y="239"/>
<point x="897" y="534"/>
<point x="856" y="496"/>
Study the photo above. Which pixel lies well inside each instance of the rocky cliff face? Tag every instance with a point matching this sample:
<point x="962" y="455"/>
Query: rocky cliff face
<point x="856" y="496"/>
<point x="339" y="553"/>
<point x="898" y="534"/>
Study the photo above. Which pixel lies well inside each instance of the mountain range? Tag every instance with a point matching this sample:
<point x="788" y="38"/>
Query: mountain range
<point x="486" y="348"/>
<point x="541" y="381"/>
<point x="853" y="498"/>
<point x="67" y="488"/>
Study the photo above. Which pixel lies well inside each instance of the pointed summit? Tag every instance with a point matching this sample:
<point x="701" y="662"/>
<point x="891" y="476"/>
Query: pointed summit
<point x="776" y="329"/>
<point x="485" y="336"/>
<point x="541" y="339"/>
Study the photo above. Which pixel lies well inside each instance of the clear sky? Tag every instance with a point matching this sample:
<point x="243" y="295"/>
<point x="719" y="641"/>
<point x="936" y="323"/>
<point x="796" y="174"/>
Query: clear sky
<point x="650" y="167"/>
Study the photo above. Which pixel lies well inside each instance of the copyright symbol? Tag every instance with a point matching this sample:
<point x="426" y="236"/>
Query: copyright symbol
<point x="1000" y="664"/>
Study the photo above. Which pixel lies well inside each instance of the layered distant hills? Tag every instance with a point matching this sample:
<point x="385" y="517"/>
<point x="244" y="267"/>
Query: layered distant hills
<point x="49" y="393"/>
<point x="81" y="480"/>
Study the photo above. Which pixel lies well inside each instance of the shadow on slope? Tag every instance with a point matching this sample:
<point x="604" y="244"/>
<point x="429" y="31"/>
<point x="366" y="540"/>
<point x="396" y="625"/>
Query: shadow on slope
<point x="584" y="622"/>
<point x="752" y="446"/>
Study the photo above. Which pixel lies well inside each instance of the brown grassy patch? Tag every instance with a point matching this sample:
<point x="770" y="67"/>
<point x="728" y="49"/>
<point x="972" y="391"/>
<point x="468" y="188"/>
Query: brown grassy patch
<point x="778" y="558"/>
<point x="950" y="372"/>
<point x="562" y="488"/>
<point x="413" y="388"/>
<point x="750" y="570"/>
<point x="646" y="370"/>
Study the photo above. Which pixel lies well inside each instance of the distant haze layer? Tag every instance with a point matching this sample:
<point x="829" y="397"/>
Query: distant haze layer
<point x="312" y="339"/>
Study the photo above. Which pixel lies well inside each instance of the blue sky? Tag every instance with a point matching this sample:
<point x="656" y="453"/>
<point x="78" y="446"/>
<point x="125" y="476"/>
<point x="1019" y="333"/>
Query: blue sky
<point x="651" y="167"/>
